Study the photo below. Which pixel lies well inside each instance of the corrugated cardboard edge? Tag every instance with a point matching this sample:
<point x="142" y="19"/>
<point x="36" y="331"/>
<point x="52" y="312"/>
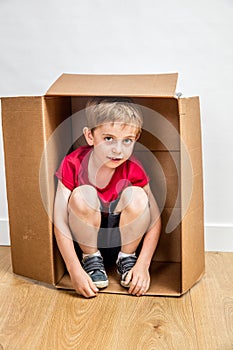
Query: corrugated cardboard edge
<point x="154" y="85"/>
<point x="193" y="258"/>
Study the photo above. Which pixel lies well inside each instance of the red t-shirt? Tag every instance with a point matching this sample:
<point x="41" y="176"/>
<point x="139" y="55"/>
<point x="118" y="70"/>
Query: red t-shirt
<point x="73" y="172"/>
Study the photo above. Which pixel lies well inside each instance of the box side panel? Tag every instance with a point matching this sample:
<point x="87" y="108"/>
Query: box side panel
<point x="191" y="193"/>
<point x="78" y="105"/>
<point x="160" y="123"/>
<point x="58" y="141"/>
<point x="163" y="168"/>
<point x="30" y="228"/>
<point x="168" y="249"/>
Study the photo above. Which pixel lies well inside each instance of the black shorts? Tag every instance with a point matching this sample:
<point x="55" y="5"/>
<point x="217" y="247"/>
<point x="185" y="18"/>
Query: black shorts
<point x="109" y="238"/>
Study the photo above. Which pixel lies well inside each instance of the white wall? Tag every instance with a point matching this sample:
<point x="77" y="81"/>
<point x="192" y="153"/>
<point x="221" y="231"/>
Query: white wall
<point x="40" y="40"/>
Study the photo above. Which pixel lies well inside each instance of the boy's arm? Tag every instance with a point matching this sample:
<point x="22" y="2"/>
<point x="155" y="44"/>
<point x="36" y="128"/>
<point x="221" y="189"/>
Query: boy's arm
<point x="139" y="275"/>
<point x="80" y="279"/>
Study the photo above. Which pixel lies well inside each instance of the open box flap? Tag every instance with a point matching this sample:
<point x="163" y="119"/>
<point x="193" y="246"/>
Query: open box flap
<point x="149" y="85"/>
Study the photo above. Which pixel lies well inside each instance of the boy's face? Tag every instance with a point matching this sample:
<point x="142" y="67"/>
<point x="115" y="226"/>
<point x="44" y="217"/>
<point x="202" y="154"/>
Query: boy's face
<point x="113" y="143"/>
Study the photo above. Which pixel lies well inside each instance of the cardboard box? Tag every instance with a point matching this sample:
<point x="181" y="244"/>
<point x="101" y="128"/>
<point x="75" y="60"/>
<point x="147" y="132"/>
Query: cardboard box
<point x="39" y="131"/>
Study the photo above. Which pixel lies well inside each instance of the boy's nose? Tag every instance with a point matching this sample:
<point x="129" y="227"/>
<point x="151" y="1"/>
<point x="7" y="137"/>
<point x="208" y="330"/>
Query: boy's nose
<point x="117" y="147"/>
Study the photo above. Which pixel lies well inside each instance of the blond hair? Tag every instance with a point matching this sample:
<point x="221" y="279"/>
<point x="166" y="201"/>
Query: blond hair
<point x="100" y="110"/>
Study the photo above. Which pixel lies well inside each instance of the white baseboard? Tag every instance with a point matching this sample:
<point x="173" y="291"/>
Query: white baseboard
<point x="217" y="237"/>
<point x="4" y="232"/>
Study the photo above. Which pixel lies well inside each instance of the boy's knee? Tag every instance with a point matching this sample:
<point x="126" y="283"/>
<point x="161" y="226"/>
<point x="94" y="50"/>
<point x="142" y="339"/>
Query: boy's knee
<point x="83" y="199"/>
<point x="134" y="199"/>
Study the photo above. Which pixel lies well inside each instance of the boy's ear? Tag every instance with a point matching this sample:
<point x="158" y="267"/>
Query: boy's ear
<point x="88" y="136"/>
<point x="138" y="135"/>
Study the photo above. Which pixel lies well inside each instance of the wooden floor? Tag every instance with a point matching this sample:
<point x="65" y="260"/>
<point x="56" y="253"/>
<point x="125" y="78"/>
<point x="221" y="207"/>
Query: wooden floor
<point x="34" y="317"/>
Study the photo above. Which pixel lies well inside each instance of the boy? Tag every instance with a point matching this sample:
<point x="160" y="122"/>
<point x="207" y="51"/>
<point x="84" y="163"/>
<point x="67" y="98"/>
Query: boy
<point x="104" y="202"/>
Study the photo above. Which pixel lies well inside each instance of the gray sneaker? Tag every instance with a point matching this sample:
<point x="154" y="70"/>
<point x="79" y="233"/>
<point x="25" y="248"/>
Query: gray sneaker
<point x="94" y="266"/>
<point x="124" y="265"/>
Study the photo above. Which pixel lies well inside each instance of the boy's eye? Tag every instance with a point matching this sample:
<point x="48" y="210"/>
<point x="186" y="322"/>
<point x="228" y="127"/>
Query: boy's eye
<point x="108" y="139"/>
<point x="127" y="142"/>
<point x="111" y="140"/>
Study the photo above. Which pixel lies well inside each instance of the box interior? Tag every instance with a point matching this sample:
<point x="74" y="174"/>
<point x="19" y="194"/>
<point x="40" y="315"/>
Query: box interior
<point x="161" y="160"/>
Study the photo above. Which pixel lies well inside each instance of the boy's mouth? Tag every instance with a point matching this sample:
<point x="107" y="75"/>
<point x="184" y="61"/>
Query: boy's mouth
<point x="115" y="159"/>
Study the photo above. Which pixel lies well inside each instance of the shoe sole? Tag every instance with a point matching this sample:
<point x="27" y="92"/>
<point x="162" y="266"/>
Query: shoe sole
<point x="125" y="285"/>
<point x="101" y="284"/>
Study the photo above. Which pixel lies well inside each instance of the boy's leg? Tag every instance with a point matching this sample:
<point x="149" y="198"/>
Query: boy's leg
<point x="135" y="217"/>
<point x="134" y="222"/>
<point x="85" y="217"/>
<point x="84" y="220"/>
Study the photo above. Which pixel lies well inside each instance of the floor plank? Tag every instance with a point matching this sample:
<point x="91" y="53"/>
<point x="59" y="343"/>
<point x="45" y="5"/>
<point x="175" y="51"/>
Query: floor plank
<point x="25" y="310"/>
<point x="212" y="301"/>
<point x="34" y="316"/>
<point x="121" y="322"/>
<point x="5" y="264"/>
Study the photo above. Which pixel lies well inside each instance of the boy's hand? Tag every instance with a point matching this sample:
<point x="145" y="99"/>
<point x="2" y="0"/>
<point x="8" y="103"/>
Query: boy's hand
<point x="83" y="283"/>
<point x="139" y="280"/>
